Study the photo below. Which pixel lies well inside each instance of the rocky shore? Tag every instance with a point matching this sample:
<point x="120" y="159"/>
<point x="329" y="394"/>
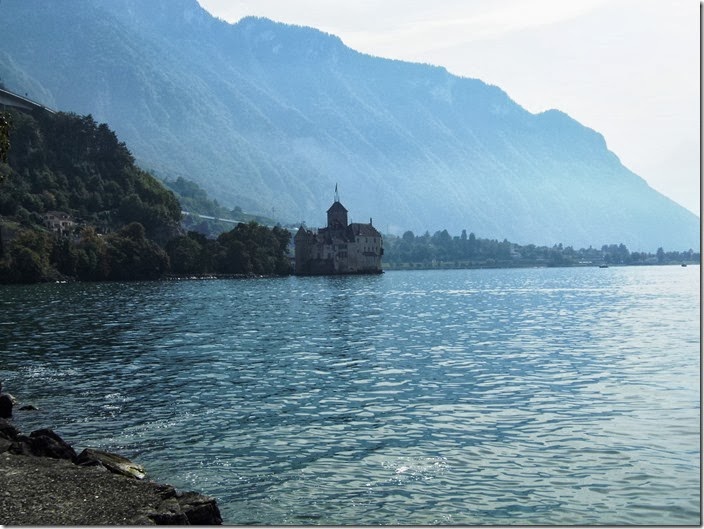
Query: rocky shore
<point x="44" y="482"/>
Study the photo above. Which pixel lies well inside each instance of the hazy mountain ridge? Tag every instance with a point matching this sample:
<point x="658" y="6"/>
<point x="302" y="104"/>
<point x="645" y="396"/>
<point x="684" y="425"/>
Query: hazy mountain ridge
<point x="269" y="117"/>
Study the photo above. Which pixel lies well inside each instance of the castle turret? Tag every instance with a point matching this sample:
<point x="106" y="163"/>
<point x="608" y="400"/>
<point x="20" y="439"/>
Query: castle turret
<point x="337" y="214"/>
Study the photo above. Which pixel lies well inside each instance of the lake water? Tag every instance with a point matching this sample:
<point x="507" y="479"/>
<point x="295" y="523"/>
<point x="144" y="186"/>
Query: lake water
<point x="531" y="396"/>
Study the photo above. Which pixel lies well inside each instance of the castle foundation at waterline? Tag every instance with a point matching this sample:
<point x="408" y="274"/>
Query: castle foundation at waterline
<point x="339" y="248"/>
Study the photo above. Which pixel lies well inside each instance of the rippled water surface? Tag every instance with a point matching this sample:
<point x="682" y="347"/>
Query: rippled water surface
<point x="542" y="396"/>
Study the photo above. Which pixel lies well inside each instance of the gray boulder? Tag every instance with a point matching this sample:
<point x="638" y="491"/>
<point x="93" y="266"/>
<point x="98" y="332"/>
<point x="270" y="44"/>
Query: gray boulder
<point x="183" y="508"/>
<point x="43" y="443"/>
<point x="200" y="509"/>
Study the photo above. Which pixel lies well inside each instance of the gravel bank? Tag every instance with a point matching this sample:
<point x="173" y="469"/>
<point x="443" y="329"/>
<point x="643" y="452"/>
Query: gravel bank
<point x="37" y="488"/>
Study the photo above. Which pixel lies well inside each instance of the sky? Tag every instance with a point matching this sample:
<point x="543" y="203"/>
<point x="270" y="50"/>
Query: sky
<point x="629" y="69"/>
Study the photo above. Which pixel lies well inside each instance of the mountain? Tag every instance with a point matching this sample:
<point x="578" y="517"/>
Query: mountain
<point x="270" y="117"/>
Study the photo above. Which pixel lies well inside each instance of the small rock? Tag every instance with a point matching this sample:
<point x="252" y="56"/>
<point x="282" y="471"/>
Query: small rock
<point x="28" y="407"/>
<point x="113" y="462"/>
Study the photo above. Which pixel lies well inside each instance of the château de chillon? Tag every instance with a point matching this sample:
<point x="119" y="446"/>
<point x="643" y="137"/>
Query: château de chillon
<point x="340" y="248"/>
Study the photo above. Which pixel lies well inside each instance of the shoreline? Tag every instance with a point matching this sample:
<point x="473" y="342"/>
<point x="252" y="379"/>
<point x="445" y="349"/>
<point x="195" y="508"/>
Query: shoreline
<point x="46" y="483"/>
<point x="448" y="265"/>
<point x="394" y="267"/>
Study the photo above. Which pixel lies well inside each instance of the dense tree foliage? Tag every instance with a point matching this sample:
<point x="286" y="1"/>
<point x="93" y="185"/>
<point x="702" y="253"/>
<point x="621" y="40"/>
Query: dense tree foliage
<point x="443" y="250"/>
<point x="194" y="199"/>
<point x="205" y="215"/>
<point x="131" y="255"/>
<point x="247" y="249"/>
<point x="70" y="163"/>
<point x="124" y="222"/>
<point x="127" y="254"/>
<point x="4" y="136"/>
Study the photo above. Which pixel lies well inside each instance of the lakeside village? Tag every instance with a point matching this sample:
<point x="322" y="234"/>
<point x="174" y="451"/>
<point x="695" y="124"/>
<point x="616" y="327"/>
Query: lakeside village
<point x="75" y="206"/>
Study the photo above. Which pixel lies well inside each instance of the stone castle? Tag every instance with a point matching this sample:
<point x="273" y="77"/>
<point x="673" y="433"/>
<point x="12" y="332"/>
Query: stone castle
<point x="340" y="248"/>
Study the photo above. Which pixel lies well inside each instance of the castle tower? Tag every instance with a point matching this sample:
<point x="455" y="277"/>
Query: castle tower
<point x="337" y="214"/>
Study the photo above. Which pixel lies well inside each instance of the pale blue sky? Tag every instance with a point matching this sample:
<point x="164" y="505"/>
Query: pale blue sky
<point x="626" y="68"/>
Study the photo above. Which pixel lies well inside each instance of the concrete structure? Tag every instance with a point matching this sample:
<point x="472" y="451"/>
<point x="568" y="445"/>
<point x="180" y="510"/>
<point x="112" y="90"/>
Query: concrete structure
<point x="11" y="100"/>
<point x="340" y="248"/>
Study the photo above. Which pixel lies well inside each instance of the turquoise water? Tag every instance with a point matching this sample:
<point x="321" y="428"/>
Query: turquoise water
<point x="539" y="396"/>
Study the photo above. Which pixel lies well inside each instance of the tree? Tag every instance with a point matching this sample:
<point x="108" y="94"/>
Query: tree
<point x="472" y="244"/>
<point x="64" y="256"/>
<point x="27" y="265"/>
<point x="5" y="125"/>
<point x="132" y="256"/>
<point x="91" y="256"/>
<point x="503" y="250"/>
<point x="185" y="255"/>
<point x="29" y="257"/>
<point x="254" y="249"/>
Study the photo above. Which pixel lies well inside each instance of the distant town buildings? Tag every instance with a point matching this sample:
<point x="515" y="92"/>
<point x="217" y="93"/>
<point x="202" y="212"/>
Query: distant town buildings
<point x="340" y="248"/>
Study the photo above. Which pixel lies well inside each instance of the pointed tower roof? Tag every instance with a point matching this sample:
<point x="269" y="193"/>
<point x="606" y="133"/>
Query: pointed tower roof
<point x="336" y="206"/>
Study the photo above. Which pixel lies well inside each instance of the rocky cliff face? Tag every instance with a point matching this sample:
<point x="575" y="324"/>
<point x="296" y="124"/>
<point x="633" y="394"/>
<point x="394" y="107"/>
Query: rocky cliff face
<point x="270" y="117"/>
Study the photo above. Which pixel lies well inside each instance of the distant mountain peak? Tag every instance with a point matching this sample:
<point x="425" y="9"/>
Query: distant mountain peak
<point x="170" y="17"/>
<point x="288" y="41"/>
<point x="252" y="22"/>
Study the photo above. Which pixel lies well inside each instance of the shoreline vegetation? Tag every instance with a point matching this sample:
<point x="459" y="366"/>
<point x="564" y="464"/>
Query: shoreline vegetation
<point x="74" y="206"/>
<point x="441" y="250"/>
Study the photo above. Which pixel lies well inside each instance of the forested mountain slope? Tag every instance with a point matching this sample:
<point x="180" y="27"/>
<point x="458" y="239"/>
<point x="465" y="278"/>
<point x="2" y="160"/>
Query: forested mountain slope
<point x="73" y="205"/>
<point x="270" y="117"/>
